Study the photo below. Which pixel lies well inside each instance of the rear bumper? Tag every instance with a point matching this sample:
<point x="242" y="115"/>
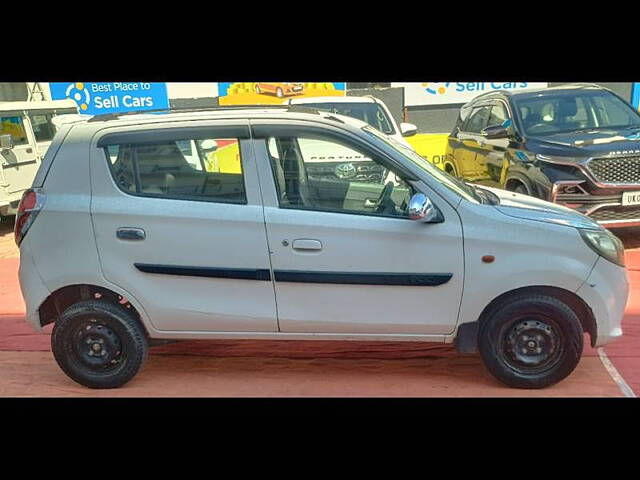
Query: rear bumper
<point x="33" y="288"/>
<point x="606" y="292"/>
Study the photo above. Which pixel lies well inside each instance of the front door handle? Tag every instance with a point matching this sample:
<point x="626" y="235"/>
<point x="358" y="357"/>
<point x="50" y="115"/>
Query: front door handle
<point x="131" y="234"/>
<point x="306" y="244"/>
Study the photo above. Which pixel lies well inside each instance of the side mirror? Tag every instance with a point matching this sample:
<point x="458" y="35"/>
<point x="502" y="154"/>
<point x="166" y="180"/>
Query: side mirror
<point x="6" y="142"/>
<point x="495" y="131"/>
<point x="421" y="208"/>
<point x="408" y="129"/>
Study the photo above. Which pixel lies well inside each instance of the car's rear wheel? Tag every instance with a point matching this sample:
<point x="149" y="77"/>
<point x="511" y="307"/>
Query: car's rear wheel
<point x="99" y="344"/>
<point x="531" y="341"/>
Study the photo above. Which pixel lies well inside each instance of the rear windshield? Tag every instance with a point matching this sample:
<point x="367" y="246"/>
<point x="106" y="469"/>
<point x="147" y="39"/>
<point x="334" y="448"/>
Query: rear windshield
<point x="547" y="114"/>
<point x="371" y="113"/>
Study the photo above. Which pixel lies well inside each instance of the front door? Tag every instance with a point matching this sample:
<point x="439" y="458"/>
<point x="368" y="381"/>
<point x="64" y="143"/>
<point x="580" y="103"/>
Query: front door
<point x="345" y="257"/>
<point x="20" y="164"/>
<point x="188" y="242"/>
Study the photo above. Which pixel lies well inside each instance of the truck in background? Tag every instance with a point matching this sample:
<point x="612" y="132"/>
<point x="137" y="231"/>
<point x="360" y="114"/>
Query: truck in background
<point x="26" y="131"/>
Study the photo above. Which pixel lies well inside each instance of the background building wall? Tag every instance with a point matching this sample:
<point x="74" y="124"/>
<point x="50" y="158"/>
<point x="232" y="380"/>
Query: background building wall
<point x="13" y="92"/>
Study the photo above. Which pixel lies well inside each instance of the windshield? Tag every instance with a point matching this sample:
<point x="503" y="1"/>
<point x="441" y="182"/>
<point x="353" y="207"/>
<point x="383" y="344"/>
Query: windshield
<point x="371" y="113"/>
<point x="547" y="114"/>
<point x="452" y="183"/>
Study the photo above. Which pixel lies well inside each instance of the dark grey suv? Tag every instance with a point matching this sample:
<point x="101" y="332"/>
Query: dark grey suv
<point x="575" y="145"/>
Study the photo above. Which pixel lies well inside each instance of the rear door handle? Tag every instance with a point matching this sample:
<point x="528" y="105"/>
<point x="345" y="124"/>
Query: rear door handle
<point x="131" y="234"/>
<point x="306" y="244"/>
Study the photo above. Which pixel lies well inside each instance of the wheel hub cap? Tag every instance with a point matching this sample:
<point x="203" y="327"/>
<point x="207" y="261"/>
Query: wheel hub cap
<point x="98" y="346"/>
<point x="532" y="344"/>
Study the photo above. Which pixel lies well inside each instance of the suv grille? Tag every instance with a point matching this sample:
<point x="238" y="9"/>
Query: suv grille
<point x="616" y="170"/>
<point x="608" y="214"/>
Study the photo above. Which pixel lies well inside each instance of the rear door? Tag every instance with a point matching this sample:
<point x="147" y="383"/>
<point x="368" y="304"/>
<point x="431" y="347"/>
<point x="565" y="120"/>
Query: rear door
<point x="187" y="242"/>
<point x="20" y="164"/>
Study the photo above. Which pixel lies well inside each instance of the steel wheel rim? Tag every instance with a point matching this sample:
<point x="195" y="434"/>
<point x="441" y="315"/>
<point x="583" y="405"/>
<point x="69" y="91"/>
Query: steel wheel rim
<point x="532" y="345"/>
<point x="97" y="346"/>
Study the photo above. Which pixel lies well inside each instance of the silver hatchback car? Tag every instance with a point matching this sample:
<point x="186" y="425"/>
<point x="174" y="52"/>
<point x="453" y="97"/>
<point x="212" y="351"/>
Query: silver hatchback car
<point x="227" y="223"/>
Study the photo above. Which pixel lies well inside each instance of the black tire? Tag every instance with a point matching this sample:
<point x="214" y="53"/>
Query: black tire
<point x="520" y="188"/>
<point x="88" y="325"/>
<point x="451" y="169"/>
<point x="542" y="326"/>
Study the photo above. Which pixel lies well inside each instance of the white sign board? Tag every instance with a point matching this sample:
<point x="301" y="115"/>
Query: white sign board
<point x="439" y="93"/>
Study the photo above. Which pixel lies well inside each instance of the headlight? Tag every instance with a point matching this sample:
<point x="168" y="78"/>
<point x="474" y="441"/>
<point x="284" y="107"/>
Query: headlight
<point x="605" y="244"/>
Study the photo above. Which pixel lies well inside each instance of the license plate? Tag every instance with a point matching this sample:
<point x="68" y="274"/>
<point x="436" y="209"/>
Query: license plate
<point x="631" y="198"/>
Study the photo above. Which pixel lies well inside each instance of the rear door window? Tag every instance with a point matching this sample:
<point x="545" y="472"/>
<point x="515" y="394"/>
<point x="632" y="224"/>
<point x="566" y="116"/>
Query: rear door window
<point x="183" y="169"/>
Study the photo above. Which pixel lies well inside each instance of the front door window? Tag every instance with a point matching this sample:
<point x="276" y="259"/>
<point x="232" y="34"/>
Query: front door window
<point x="315" y="173"/>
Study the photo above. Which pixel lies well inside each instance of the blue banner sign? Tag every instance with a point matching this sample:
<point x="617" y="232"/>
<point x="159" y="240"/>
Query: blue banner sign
<point x="635" y="96"/>
<point x="95" y="98"/>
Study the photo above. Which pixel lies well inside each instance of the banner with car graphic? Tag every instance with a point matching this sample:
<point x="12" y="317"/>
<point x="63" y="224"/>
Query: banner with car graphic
<point x="255" y="93"/>
<point x="95" y="98"/>
<point x="439" y="93"/>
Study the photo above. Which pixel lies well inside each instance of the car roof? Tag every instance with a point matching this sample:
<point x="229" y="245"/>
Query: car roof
<point x="534" y="92"/>
<point x="272" y="112"/>
<point x="345" y="99"/>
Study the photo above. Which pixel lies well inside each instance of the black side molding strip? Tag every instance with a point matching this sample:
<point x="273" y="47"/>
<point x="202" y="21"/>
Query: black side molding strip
<point x="409" y="279"/>
<point x="239" y="273"/>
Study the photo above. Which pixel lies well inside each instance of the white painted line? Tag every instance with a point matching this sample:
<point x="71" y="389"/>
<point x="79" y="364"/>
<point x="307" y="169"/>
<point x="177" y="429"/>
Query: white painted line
<point x="624" y="386"/>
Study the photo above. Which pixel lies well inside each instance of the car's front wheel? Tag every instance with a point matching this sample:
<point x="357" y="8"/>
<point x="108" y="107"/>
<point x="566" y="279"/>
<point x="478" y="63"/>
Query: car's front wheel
<point x="531" y="341"/>
<point x="99" y="344"/>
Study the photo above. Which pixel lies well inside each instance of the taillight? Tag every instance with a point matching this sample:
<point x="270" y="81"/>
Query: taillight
<point x="30" y="205"/>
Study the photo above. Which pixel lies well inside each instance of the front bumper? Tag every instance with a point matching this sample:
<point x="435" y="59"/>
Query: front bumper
<point x="606" y="292"/>
<point x="605" y="206"/>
